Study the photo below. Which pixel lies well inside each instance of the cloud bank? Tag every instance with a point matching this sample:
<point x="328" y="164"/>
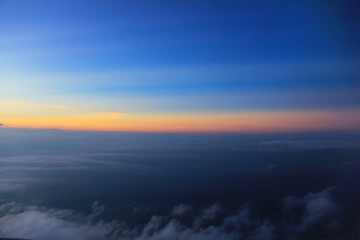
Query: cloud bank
<point x="301" y="217"/>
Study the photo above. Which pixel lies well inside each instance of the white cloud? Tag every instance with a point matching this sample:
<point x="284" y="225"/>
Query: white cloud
<point x="41" y="223"/>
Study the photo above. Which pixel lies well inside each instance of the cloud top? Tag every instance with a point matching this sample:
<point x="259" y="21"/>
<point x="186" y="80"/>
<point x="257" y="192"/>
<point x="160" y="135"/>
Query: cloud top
<point x="301" y="216"/>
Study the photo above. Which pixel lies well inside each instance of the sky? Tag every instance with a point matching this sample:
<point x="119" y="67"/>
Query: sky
<point x="188" y="66"/>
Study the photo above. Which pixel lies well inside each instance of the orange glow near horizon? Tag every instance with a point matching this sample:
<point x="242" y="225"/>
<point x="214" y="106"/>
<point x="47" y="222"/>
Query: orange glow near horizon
<point x="195" y="122"/>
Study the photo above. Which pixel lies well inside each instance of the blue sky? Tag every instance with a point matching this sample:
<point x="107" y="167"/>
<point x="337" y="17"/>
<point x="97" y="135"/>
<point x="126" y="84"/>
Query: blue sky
<point x="181" y="56"/>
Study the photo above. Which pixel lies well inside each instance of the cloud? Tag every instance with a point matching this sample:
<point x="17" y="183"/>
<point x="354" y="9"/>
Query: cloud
<point x="209" y="216"/>
<point x="41" y="223"/>
<point x="10" y="183"/>
<point x="299" y="217"/>
<point x="8" y="186"/>
<point x="54" y="131"/>
<point x="211" y="212"/>
<point x="313" y="210"/>
<point x="49" y="163"/>
<point x="181" y="209"/>
<point x="339" y="141"/>
<point x="1" y="124"/>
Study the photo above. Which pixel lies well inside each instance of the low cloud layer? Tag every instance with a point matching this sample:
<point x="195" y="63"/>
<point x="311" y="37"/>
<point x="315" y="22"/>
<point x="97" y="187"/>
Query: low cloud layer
<point x="317" y="209"/>
<point x="181" y="209"/>
<point x="300" y="217"/>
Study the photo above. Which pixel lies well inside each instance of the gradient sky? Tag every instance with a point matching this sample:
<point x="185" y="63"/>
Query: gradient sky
<point x="180" y="65"/>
